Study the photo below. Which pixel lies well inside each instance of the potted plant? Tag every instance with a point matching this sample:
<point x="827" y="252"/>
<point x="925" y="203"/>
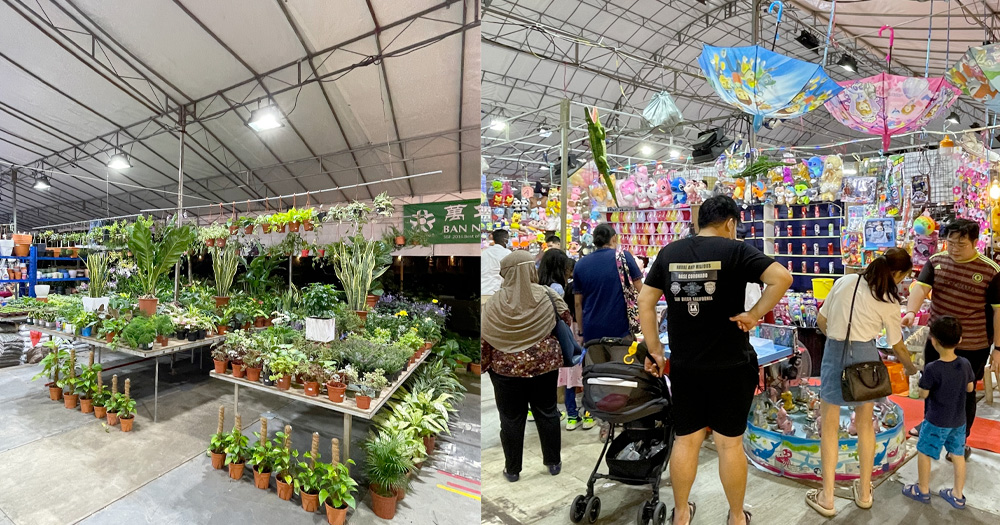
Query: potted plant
<point x="247" y="223"/>
<point x="140" y="333"/>
<point x="265" y="223"/>
<point x="163" y="327"/>
<point x="358" y="262"/>
<point x="386" y="466"/>
<point x="337" y="487"/>
<point x="371" y="384"/>
<point x="336" y="387"/>
<point x="225" y="262"/>
<point x="278" y="222"/>
<point x="110" y="327"/>
<point x="217" y="443"/>
<point x="220" y="357"/>
<point x="424" y="413"/>
<point x="281" y="365"/>
<point x="97" y="268"/>
<point x="126" y="408"/>
<point x="262" y="457"/>
<point x="283" y="464"/>
<point x="87" y="384"/>
<point x="236" y="450"/>
<point x="308" y="218"/>
<point x="52" y="363"/>
<point x="70" y="383"/>
<point x="253" y="359"/>
<point x="114" y="398"/>
<point x="320" y="302"/>
<point x="154" y="258"/>
<point x="307" y="476"/>
<point x="99" y="397"/>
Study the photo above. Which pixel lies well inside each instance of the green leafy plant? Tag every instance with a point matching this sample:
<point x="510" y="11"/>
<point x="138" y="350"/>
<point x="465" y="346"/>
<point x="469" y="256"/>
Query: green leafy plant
<point x="162" y="324"/>
<point x="373" y="382"/>
<point x="387" y="462"/>
<point x="154" y="258"/>
<point x="307" y="478"/>
<point x="320" y="300"/>
<point x="282" y="462"/>
<point x="262" y="455"/>
<point x="282" y="362"/>
<point x="225" y="262"/>
<point x="126" y="407"/>
<point x="411" y="340"/>
<point x="54" y="361"/>
<point x="112" y="325"/>
<point x="235" y="446"/>
<point x="358" y="262"/>
<point x="140" y="332"/>
<point x="213" y="231"/>
<point x="97" y="264"/>
<point x="336" y="486"/>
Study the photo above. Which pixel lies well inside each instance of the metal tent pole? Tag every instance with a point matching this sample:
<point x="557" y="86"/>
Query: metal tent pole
<point x="180" y="201"/>
<point x="13" y="193"/>
<point x="754" y="31"/>
<point x="564" y="167"/>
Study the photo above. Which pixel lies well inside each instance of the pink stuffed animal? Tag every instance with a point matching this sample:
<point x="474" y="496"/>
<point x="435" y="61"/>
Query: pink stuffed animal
<point x="626" y="191"/>
<point x="664" y="197"/>
<point x="691" y="189"/>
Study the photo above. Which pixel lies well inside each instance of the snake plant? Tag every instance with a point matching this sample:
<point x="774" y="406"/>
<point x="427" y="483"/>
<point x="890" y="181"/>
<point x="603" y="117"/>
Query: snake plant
<point x="97" y="264"/>
<point x="358" y="261"/>
<point x="225" y="262"/>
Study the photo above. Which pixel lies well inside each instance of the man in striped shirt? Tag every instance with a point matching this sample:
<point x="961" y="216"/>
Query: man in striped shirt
<point x="965" y="284"/>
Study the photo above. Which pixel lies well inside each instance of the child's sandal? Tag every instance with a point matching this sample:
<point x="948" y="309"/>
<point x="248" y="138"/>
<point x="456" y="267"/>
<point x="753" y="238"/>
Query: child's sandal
<point x="949" y="496"/>
<point x="913" y="492"/>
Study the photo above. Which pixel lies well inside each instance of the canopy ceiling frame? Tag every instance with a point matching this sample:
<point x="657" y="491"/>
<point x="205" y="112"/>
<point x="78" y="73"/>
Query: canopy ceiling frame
<point x="147" y="87"/>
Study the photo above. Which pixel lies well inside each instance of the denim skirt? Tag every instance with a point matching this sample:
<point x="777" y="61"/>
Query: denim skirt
<point x="833" y="364"/>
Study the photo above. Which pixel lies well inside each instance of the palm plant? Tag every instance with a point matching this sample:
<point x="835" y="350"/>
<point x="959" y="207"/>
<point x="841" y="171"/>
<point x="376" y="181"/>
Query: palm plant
<point x="154" y="258"/>
<point x="97" y="264"/>
<point x="225" y="262"/>
<point x="387" y="462"/>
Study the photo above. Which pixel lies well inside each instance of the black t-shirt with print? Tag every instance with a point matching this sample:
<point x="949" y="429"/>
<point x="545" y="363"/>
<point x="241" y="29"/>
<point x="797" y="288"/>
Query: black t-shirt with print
<point x="704" y="280"/>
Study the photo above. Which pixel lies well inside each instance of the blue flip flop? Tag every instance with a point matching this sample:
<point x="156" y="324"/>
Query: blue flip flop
<point x="949" y="496"/>
<point x="913" y="492"/>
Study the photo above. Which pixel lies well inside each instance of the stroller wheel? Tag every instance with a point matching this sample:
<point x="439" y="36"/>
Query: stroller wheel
<point x="593" y="509"/>
<point x="660" y="513"/>
<point x="645" y="513"/>
<point x="578" y="508"/>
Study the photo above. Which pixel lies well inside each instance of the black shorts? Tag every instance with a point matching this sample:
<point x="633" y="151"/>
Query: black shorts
<point x="716" y="398"/>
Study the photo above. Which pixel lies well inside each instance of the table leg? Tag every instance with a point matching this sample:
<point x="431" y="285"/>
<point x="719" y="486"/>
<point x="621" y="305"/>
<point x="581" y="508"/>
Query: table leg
<point x="156" y="391"/>
<point x="99" y="354"/>
<point x="236" y="399"/>
<point x="346" y="440"/>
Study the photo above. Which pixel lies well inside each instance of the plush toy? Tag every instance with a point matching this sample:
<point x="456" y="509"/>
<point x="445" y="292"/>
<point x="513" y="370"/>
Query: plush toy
<point x="508" y="194"/>
<point x="800" y="193"/>
<point x="759" y="190"/>
<point x="642" y="195"/>
<point x="779" y="195"/>
<point x="691" y="189"/>
<point x="678" y="185"/>
<point x="515" y="221"/>
<point x="575" y="193"/>
<point x="660" y="171"/>
<point x="831" y="179"/>
<point x="815" y="165"/>
<point x="496" y="200"/>
<point x="527" y="192"/>
<point x="497" y="186"/>
<point x="801" y="172"/>
<point x="664" y="197"/>
<point x="599" y="193"/>
<point x="740" y="189"/>
<point x="786" y="175"/>
<point x="626" y="191"/>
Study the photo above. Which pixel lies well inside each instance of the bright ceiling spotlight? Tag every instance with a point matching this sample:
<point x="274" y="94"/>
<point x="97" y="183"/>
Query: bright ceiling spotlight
<point x="848" y="63"/>
<point x="265" y="118"/>
<point x="119" y="162"/>
<point x="42" y="183"/>
<point x="952" y="118"/>
<point x="544" y="133"/>
<point x="675" y="153"/>
<point x="544" y="168"/>
<point x="498" y="125"/>
<point x="646" y="149"/>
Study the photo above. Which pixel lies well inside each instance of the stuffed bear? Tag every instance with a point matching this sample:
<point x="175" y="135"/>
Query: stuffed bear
<point x="832" y="178"/>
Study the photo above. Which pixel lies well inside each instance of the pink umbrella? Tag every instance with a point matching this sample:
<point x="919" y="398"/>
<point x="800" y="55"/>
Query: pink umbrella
<point x="888" y="105"/>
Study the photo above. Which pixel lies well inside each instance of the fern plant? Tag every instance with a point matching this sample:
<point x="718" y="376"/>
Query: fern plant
<point x="225" y="262"/>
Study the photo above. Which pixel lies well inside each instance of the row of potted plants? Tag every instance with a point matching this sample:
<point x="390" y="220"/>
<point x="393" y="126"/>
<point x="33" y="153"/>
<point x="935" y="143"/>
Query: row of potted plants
<point x="85" y="386"/>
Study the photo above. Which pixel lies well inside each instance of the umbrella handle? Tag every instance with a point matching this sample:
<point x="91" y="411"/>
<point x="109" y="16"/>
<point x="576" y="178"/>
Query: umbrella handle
<point x="892" y="38"/>
<point x="781" y="9"/>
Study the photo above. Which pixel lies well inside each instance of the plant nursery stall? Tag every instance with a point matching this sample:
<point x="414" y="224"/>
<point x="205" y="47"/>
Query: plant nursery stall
<point x="841" y="129"/>
<point x="239" y="252"/>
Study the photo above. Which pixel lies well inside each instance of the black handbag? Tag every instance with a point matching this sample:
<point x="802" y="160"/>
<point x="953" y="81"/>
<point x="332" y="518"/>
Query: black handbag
<point x="865" y="381"/>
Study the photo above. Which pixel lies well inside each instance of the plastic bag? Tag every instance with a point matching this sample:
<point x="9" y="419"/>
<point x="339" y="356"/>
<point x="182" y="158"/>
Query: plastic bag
<point x="662" y="111"/>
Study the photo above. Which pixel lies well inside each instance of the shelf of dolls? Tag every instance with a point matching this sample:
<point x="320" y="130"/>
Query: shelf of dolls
<point x="837" y="255"/>
<point x="838" y="218"/>
<point x="649" y="222"/>
<point x="778" y="239"/>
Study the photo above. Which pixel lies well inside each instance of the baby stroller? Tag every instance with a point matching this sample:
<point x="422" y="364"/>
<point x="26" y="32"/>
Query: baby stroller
<point x="618" y="390"/>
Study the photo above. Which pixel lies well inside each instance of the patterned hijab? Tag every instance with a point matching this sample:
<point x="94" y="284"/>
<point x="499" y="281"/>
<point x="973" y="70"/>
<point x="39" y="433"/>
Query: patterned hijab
<point x="520" y="314"/>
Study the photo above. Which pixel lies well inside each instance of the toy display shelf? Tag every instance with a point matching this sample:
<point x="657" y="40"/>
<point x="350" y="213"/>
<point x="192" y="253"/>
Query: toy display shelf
<point x="800" y="256"/>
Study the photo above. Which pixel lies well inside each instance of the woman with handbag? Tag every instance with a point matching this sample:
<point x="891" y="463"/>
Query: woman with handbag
<point x="522" y="355"/>
<point x="852" y="373"/>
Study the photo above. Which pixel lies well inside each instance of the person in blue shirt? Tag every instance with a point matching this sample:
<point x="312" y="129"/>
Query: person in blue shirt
<point x="600" y="302"/>
<point x="943" y="386"/>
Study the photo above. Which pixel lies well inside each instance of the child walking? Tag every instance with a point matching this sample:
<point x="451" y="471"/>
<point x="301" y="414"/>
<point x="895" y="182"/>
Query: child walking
<point x="943" y="386"/>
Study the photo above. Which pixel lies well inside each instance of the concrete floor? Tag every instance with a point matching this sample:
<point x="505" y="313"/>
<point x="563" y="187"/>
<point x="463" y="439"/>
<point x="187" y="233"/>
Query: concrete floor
<point x="71" y="468"/>
<point x="539" y="498"/>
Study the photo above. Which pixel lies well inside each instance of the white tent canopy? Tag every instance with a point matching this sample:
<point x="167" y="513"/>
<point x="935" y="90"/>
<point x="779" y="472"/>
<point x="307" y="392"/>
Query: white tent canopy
<point x="370" y="90"/>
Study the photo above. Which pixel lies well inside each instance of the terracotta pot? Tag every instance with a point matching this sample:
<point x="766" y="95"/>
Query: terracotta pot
<point x="246" y="326"/>
<point x="110" y="336"/>
<point x="238" y="370"/>
<point x="162" y="340"/>
<point x="21" y="238"/>
<point x="76" y="252"/>
<point x="476" y="368"/>
<point x="305" y="253"/>
<point x="127" y="423"/>
<point x="221" y="329"/>
<point x="429" y="444"/>
<point x="220" y="301"/>
<point x="335" y="391"/>
<point x="86" y="405"/>
<point x="400" y="494"/>
<point x="258" y="322"/>
<point x="112" y="418"/>
<point x="233" y="230"/>
<point x="266" y="228"/>
<point x="335" y="516"/>
<point x="22" y="250"/>
<point x="384" y="507"/>
<point x="268" y="322"/>
<point x="148" y="306"/>
<point x="209" y="242"/>
<point x="284" y="382"/>
<point x="362" y="314"/>
<point x="55" y="393"/>
<point x="220" y="366"/>
<point x="284" y="490"/>
<point x="308" y="226"/>
<point x="10" y="273"/>
<point x="310" y="502"/>
<point x="400" y="240"/>
<point x="220" y="242"/>
<point x="294" y="226"/>
<point x="253" y="374"/>
<point x="363" y="402"/>
<point x="70" y="400"/>
<point x="370" y="300"/>
<point x="427" y="346"/>
<point x="218" y="460"/>
<point x="312" y="388"/>
<point x="100" y="412"/>
<point x="236" y="470"/>
<point x="248" y="230"/>
<point x="261" y="480"/>
<point x="278" y="229"/>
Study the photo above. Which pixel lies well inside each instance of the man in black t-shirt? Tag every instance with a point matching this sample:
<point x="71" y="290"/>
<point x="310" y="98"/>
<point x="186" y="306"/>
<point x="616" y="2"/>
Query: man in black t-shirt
<point x="713" y="367"/>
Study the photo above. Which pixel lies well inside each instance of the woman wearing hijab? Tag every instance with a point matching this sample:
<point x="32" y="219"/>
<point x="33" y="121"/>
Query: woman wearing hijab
<point x="523" y="358"/>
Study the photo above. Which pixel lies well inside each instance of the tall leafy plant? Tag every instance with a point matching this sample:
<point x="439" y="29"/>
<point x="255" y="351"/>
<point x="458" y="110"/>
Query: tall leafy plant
<point x="154" y="258"/>
<point x="358" y="261"/>
<point x="97" y="264"/>
<point x="225" y="262"/>
<point x="387" y="462"/>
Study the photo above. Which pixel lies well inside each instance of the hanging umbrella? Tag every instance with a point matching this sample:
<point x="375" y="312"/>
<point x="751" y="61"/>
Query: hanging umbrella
<point x="766" y="84"/>
<point x="888" y="105"/>
<point x="977" y="74"/>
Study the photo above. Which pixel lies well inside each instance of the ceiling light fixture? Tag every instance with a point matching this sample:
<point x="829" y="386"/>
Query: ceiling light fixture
<point x="646" y="149"/>
<point x="119" y="162"/>
<point x="544" y="133"/>
<point x="809" y="41"/>
<point x="953" y="118"/>
<point x="544" y="168"/>
<point x="675" y="153"/>
<point x="848" y="63"/>
<point x="42" y="183"/>
<point x="265" y="118"/>
<point x="498" y="125"/>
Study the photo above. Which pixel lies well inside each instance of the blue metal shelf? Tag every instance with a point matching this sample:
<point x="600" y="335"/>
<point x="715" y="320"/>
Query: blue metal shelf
<point x="5" y="281"/>
<point x="63" y="279"/>
<point x="57" y="258"/>
<point x="14" y="257"/>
